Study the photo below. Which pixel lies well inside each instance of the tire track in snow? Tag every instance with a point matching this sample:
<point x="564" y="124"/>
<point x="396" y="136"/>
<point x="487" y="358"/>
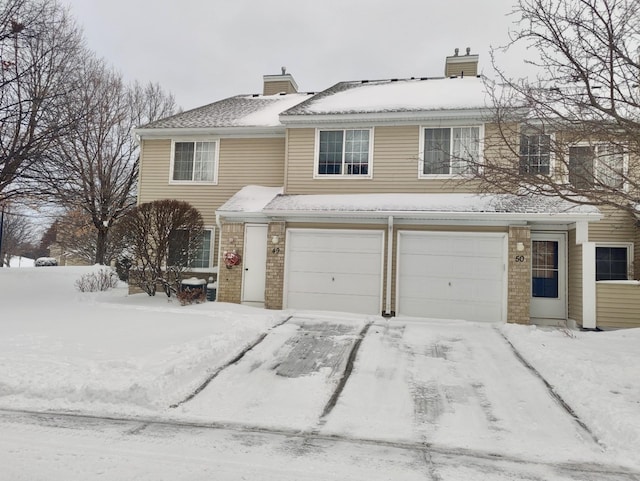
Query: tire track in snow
<point x="554" y="394"/>
<point x="230" y="363"/>
<point x="345" y="375"/>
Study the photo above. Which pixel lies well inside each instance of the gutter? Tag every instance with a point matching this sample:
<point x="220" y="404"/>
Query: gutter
<point x="428" y="215"/>
<point x="239" y="131"/>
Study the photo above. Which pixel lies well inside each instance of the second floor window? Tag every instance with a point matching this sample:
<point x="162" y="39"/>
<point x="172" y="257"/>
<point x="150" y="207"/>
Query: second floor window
<point x="450" y="151"/>
<point x="344" y="152"/>
<point x="194" y="161"/>
<point x="535" y="154"/>
<point x="596" y="165"/>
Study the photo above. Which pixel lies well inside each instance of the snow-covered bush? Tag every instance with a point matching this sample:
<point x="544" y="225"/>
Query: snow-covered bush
<point x="101" y="280"/>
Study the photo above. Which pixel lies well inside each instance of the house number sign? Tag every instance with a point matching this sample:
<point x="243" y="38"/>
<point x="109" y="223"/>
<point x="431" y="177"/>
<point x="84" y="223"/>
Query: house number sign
<point x="519" y="258"/>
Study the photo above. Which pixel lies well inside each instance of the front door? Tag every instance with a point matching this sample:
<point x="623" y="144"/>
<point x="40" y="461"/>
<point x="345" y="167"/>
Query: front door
<point x="254" y="263"/>
<point x="548" y="276"/>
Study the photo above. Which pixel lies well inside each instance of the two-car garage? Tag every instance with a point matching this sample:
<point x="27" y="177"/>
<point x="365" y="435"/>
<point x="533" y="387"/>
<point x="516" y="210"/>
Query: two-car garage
<point x="450" y="275"/>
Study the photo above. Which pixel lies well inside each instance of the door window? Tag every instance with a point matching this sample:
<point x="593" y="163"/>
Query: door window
<point x="544" y="269"/>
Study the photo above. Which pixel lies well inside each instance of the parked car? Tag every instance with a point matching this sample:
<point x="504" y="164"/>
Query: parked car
<point x="46" y="261"/>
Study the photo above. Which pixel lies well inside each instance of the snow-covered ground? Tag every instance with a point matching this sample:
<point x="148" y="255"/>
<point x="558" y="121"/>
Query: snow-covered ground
<point x="454" y="386"/>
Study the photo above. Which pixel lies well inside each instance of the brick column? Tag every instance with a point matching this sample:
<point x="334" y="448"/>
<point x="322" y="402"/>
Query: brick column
<point x="519" y="299"/>
<point x="275" y="266"/>
<point x="230" y="280"/>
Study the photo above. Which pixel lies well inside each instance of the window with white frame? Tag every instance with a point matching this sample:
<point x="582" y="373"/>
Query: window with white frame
<point x="596" y="165"/>
<point x="194" y="161"/>
<point x="535" y="154"/>
<point x="612" y="262"/>
<point x="344" y="152"/>
<point x="198" y="258"/>
<point x="450" y="151"/>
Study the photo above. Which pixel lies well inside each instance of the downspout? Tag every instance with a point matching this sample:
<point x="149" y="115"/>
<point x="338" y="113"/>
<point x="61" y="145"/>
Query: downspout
<point x="387" y="308"/>
<point x="219" y="226"/>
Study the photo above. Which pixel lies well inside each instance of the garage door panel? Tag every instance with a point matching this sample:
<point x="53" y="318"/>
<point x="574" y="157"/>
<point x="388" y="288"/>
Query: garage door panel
<point x="451" y="275"/>
<point x="335" y="302"/>
<point x="450" y="266"/>
<point x="331" y="243"/>
<point x="336" y="270"/>
<point x="336" y="262"/>
<point x="353" y="284"/>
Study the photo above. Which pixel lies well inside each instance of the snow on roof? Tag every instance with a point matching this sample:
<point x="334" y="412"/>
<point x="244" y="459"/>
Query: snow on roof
<point x="238" y="111"/>
<point x="250" y="199"/>
<point x="271" y="200"/>
<point x="404" y="95"/>
<point x="443" y="203"/>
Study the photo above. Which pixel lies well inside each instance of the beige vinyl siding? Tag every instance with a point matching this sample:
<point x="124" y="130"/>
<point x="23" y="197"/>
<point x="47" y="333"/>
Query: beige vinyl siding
<point x="242" y="162"/>
<point x="394" y="166"/>
<point x="574" y="278"/>
<point x="616" y="226"/>
<point x="278" y="86"/>
<point x="618" y="304"/>
<point x="468" y="69"/>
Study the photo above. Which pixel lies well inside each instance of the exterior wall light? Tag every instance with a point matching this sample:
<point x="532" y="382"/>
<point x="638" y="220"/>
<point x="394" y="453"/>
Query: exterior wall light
<point x="275" y="239"/>
<point x="519" y="246"/>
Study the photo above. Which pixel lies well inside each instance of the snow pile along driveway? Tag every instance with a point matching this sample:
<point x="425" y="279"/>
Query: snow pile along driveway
<point x="596" y="373"/>
<point x="109" y="352"/>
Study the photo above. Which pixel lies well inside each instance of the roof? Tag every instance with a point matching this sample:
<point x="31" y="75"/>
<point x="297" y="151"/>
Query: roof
<point x="238" y="111"/>
<point x="405" y="95"/>
<point x="270" y="201"/>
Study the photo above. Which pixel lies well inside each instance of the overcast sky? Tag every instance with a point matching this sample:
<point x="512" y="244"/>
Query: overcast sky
<point x="205" y="50"/>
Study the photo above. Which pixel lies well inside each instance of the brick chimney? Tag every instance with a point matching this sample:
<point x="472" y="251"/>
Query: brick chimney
<point x="461" y="65"/>
<point x="276" y="84"/>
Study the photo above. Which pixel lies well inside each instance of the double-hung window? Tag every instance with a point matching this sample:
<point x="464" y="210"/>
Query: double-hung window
<point x="194" y="161"/>
<point x="344" y="153"/>
<point x="199" y="257"/>
<point x="596" y="165"/>
<point x="612" y="262"/>
<point x="535" y="154"/>
<point x="450" y="151"/>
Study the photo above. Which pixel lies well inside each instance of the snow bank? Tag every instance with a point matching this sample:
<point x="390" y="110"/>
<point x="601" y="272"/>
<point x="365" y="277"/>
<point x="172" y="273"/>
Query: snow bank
<point x="110" y="352"/>
<point x="596" y="373"/>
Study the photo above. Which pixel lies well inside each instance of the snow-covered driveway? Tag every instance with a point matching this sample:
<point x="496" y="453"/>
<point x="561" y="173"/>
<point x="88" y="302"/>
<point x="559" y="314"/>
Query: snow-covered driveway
<point x="451" y="384"/>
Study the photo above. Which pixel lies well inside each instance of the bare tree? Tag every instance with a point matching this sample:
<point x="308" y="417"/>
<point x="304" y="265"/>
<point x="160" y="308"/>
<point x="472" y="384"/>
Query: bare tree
<point x="164" y="235"/>
<point x="95" y="169"/>
<point x="76" y="236"/>
<point x="574" y="130"/>
<point x="39" y="50"/>
<point x="17" y="235"/>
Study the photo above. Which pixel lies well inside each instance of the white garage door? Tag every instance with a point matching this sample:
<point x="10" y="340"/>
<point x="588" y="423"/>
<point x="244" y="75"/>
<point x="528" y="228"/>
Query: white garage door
<point x="334" y="270"/>
<point x="451" y="275"/>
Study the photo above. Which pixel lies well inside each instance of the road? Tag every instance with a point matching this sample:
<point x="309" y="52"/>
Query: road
<point x="47" y="446"/>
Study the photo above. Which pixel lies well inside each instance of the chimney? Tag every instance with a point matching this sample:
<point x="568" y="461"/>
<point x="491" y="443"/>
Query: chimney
<point x="461" y="65"/>
<point x="277" y="84"/>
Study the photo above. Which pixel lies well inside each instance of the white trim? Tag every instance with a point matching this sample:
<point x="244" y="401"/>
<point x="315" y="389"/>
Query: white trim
<point x="343" y="175"/>
<point x="589" y="318"/>
<point x="423" y="127"/>
<point x="582" y="232"/>
<point x="230" y="132"/>
<point x="505" y="255"/>
<point x="390" y="240"/>
<point x="289" y="232"/>
<point x="384" y="118"/>
<point x="216" y="160"/>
